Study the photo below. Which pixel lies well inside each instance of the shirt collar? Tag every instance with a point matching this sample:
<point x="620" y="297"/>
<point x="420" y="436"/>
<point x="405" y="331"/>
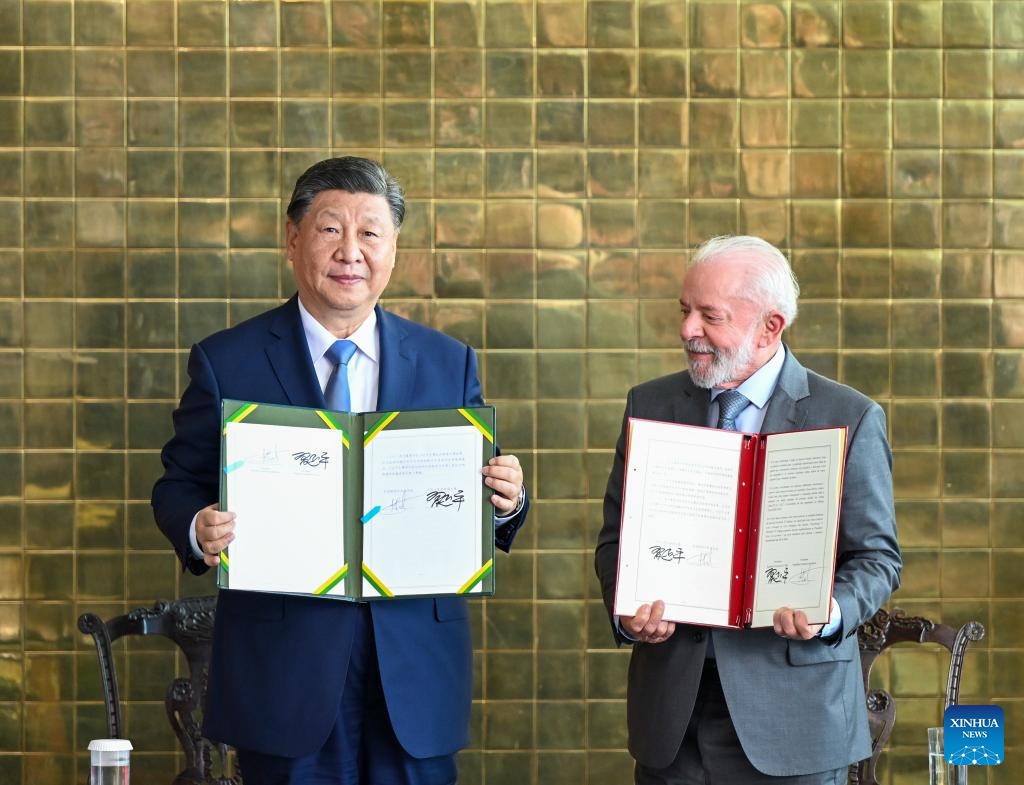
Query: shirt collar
<point x="319" y="338"/>
<point x="760" y="385"/>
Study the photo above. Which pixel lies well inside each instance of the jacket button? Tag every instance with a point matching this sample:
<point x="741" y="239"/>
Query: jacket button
<point x="698" y="636"/>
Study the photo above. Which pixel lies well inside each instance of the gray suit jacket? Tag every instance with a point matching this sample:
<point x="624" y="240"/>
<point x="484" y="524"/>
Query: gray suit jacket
<point x="797" y="706"/>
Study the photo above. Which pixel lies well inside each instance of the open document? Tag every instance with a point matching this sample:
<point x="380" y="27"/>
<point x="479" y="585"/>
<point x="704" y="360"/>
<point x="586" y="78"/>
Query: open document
<point x="726" y="527"/>
<point x="357" y="506"/>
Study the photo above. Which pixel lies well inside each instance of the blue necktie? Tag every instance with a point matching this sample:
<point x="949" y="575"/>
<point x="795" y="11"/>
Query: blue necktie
<point x="730" y="404"/>
<point x="336" y="393"/>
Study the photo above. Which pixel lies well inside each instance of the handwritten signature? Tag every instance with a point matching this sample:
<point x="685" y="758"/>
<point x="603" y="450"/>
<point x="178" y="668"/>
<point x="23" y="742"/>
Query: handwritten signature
<point x="695" y="556"/>
<point x="662" y="553"/>
<point x="801" y="574"/>
<point x="312" y="459"/>
<point x="445" y="499"/>
<point x="775" y="575"/>
<point x="396" y="505"/>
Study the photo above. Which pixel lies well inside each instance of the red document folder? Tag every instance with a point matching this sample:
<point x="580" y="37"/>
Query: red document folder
<point x="725" y="527"/>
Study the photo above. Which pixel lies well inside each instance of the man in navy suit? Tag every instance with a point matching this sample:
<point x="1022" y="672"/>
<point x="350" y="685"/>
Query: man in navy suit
<point x="311" y="690"/>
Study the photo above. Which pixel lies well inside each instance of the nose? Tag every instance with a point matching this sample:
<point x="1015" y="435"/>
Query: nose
<point x="690" y="326"/>
<point x="348" y="250"/>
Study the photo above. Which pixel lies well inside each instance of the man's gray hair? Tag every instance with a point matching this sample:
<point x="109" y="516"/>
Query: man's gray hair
<point x="770" y="279"/>
<point x="347" y="173"/>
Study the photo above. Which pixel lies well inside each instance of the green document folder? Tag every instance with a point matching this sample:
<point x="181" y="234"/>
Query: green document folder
<point x="357" y="506"/>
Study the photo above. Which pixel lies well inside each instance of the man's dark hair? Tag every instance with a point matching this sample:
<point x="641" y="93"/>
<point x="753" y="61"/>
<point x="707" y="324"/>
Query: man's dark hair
<point x="347" y="173"/>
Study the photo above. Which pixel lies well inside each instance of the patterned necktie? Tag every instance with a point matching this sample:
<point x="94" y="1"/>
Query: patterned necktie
<point x="336" y="393"/>
<point x="730" y="404"/>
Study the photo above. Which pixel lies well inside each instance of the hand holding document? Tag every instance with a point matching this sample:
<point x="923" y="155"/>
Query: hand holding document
<point x="726" y="527"/>
<point x="357" y="506"/>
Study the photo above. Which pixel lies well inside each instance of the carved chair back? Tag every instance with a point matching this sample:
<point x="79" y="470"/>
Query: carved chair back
<point x="189" y="624"/>
<point x="886" y="629"/>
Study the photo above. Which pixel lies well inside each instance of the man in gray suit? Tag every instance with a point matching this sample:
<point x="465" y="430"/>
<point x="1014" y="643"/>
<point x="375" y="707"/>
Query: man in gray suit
<point x="772" y="705"/>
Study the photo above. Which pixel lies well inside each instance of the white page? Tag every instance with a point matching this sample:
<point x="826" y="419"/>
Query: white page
<point x="799" y="516"/>
<point x="678" y="521"/>
<point x="286" y="486"/>
<point x="425" y="538"/>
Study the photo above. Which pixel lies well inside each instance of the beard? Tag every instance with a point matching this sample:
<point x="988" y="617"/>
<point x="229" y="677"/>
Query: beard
<point x="725" y="365"/>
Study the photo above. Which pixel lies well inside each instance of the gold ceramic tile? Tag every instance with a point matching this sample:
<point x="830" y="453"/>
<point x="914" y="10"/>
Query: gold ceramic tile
<point x="966" y="274"/>
<point x="865" y="325"/>
<point x="866" y="124"/>
<point x="303" y="23"/>
<point x="661" y="23"/>
<point x="967" y="123"/>
<point x="966" y="373"/>
<point x="48" y="72"/>
<point x="1009" y="122"/>
<point x="915" y="374"/>
<point x="1009" y="375"/>
<point x="815" y="73"/>
<point x="458" y="174"/>
<point x="49" y="173"/>
<point x="509" y="224"/>
<point x="152" y="123"/>
<point x="764" y="173"/>
<point x="916" y="224"/>
<point x="11" y="122"/>
<point x="47" y="223"/>
<point x="252" y="23"/>
<point x="459" y="224"/>
<point x="815" y="224"/>
<point x="714" y="74"/>
<point x="510" y="275"/>
<point x="48" y="475"/>
<point x="662" y="223"/>
<point x="509" y="23"/>
<point x="99" y="223"/>
<point x="254" y="224"/>
<point x="558" y="122"/>
<point x="612" y="224"/>
<point x="48" y="374"/>
<point x="713" y="124"/>
<point x="560" y="23"/>
<point x="356" y="73"/>
<point x="713" y="24"/>
<point x="663" y="173"/>
<point x="917" y="73"/>
<point x="203" y="173"/>
<point x="561" y="274"/>
<point x="47" y="23"/>
<point x="966" y="324"/>
<point x="99" y="72"/>
<point x="49" y="123"/>
<point x="202" y="23"/>
<point x="305" y="124"/>
<point x="304" y="72"/>
<point x="816" y="23"/>
<point x="151" y="73"/>
<point x="966" y="424"/>
<point x="49" y="425"/>
<point x="560" y="74"/>
<point x="967" y="23"/>
<point x="509" y="74"/>
<point x="1008" y="73"/>
<point x="866" y="74"/>
<point x="915" y="325"/>
<point x="611" y="173"/>
<point x="1008" y="232"/>
<point x="458" y="73"/>
<point x="510" y="174"/>
<point x="46" y="274"/>
<point x="151" y="224"/>
<point x="968" y="75"/>
<point x="765" y="74"/>
<point x="612" y="274"/>
<point x="866" y="224"/>
<point x="713" y="174"/>
<point x="867" y="371"/>
<point x="458" y="124"/>
<point x="816" y="327"/>
<point x="816" y="123"/>
<point x="611" y="74"/>
<point x="1008" y="331"/>
<point x="764" y="124"/>
<point x="150" y="22"/>
<point x="356" y="124"/>
<point x="969" y="222"/>
<point x="253" y="73"/>
<point x="710" y="218"/>
<point x="100" y="273"/>
<point x="509" y="123"/>
<point x="663" y="124"/>
<point x="767" y="219"/>
<point x="407" y="74"/>
<point x="866" y="24"/>
<point x="815" y="174"/>
<point x="610" y="23"/>
<point x="253" y="123"/>
<point x="663" y="74"/>
<point x="914" y="424"/>
<point x="612" y="123"/>
<point x="356" y="23"/>
<point x="202" y="72"/>
<point x="917" y="23"/>
<point x="560" y="225"/>
<point x="967" y="174"/>
<point x="916" y="474"/>
<point x="611" y="324"/>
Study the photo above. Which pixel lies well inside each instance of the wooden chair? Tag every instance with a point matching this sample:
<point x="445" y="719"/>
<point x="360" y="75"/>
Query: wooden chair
<point x="875" y="636"/>
<point x="189" y="624"/>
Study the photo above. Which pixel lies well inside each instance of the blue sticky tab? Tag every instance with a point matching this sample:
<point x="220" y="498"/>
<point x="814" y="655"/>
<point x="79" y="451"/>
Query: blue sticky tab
<point x="369" y="516"/>
<point x="231" y="467"/>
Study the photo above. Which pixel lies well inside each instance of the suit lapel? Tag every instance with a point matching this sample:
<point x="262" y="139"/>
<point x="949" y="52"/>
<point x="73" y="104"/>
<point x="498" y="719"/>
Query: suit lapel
<point x="397" y="364"/>
<point x="787" y="408"/>
<point x="690" y="406"/>
<point x="289" y="357"/>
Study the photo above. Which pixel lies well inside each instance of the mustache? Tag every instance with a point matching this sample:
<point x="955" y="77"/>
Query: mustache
<point x="700" y="348"/>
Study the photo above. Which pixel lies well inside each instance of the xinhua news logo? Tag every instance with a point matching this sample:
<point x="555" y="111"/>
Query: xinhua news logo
<point x="973" y="735"/>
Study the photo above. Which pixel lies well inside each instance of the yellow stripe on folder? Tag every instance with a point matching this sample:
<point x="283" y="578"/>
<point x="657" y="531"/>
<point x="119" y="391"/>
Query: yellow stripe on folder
<point x="476" y="577"/>
<point x="376" y="582"/>
<point x="240" y="414"/>
<point x="480" y="425"/>
<point x="224" y="560"/>
<point x="333" y="425"/>
<point x="333" y="581"/>
<point x="382" y="423"/>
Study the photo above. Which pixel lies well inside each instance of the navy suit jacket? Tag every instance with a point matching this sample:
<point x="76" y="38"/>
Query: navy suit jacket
<point x="797" y="706"/>
<point x="279" y="662"/>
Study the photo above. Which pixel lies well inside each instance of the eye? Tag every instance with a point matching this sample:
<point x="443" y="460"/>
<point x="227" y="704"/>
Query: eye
<point x="329" y="229"/>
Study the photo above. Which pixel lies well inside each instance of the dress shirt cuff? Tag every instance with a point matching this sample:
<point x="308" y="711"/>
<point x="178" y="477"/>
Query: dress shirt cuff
<point x="194" y="541"/>
<point x="622" y="631"/>
<point x="503" y="519"/>
<point x="835" y="622"/>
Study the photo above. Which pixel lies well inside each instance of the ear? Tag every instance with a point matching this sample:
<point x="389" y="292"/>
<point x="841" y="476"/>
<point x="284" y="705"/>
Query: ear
<point x="774" y="324"/>
<point x="291" y="231"/>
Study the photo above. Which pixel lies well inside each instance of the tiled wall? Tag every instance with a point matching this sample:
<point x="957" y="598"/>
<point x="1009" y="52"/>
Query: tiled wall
<point x="560" y="157"/>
